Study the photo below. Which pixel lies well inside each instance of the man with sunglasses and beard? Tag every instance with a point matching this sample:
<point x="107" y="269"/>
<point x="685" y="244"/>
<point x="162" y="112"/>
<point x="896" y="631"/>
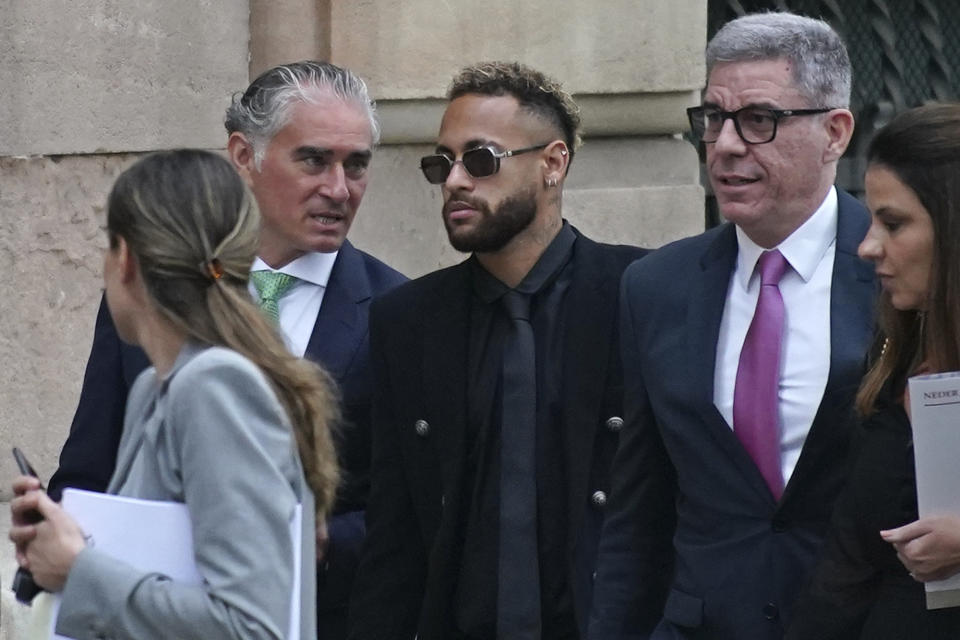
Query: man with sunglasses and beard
<point x="497" y="401"/>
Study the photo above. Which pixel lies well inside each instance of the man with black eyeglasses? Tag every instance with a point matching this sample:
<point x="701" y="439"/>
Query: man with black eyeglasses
<point x="742" y="350"/>
<point x="498" y="392"/>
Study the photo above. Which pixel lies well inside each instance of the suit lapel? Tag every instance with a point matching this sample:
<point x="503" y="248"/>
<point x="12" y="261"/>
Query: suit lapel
<point x="852" y="294"/>
<point x="339" y="315"/>
<point x="704" y="315"/>
<point x="707" y="299"/>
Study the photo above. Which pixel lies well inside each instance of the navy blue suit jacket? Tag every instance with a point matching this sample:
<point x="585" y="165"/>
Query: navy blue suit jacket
<point x="340" y="342"/>
<point x="739" y="556"/>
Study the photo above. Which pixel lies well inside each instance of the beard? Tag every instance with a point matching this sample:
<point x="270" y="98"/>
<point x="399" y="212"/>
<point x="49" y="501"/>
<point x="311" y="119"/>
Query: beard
<point x="495" y="228"/>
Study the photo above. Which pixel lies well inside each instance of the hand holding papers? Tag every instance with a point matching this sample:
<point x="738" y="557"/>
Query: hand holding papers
<point x="929" y="548"/>
<point x="154" y="536"/>
<point x="935" y="418"/>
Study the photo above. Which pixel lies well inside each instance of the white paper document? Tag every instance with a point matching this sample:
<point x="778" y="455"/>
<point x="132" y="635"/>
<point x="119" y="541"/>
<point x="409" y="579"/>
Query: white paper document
<point x="935" y="418"/>
<point x="154" y="536"/>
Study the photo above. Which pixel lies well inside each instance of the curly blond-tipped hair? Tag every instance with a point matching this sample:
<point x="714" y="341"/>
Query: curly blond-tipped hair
<point x="537" y="93"/>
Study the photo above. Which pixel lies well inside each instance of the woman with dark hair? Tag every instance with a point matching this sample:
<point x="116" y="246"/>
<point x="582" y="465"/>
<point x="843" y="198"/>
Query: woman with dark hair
<point x="225" y="421"/>
<point x="861" y="588"/>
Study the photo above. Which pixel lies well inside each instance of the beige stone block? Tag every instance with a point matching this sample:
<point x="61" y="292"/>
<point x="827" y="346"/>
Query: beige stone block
<point x="415" y="121"/>
<point x="614" y="163"/>
<point x="92" y="76"/>
<point x="635" y="114"/>
<point x="643" y="216"/>
<point x="640" y="191"/>
<point x="51" y="241"/>
<point x="283" y="31"/>
<point x="411" y="49"/>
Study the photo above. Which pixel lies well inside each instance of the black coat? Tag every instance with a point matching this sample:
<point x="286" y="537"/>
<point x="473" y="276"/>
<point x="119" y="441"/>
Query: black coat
<point x="860" y="589"/>
<point x="419" y="347"/>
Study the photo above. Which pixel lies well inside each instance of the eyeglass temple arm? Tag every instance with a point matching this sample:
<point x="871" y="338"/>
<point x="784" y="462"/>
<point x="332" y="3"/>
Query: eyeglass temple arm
<point x="514" y="152"/>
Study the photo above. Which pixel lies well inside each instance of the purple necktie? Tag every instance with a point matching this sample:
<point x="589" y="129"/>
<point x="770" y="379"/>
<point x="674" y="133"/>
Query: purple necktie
<point x="756" y="418"/>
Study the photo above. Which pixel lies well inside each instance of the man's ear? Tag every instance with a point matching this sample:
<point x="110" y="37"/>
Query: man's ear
<point x="839" y="125"/>
<point x="557" y="159"/>
<point x="241" y="153"/>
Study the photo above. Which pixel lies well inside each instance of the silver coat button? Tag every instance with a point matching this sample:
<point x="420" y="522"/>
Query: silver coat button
<point x="422" y="427"/>
<point x="614" y="424"/>
<point x="599" y="498"/>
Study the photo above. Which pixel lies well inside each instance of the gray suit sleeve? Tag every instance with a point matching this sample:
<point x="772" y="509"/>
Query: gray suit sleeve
<point x="227" y="437"/>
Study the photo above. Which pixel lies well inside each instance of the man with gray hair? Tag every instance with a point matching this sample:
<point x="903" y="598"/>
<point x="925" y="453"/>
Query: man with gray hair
<point x="742" y="350"/>
<point x="302" y="136"/>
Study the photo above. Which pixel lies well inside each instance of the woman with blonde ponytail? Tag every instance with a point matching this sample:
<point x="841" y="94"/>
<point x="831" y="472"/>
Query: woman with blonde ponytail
<point x="226" y="421"/>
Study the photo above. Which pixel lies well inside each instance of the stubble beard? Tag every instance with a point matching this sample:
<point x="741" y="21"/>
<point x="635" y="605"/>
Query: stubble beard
<point x="496" y="228"/>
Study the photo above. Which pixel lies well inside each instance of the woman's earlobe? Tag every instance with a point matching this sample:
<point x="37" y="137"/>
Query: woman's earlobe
<point x="128" y="262"/>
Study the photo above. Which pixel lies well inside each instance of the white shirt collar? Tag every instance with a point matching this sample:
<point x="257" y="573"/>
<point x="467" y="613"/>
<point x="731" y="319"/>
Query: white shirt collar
<point x="803" y="249"/>
<point x="313" y="267"/>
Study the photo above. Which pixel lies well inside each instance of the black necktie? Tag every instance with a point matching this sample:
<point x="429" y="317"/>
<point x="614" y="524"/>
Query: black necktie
<point x="518" y="584"/>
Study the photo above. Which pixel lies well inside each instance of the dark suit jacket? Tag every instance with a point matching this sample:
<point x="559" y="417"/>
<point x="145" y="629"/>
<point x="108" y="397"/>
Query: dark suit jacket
<point x="339" y="342"/>
<point x="419" y="352"/>
<point x="740" y="556"/>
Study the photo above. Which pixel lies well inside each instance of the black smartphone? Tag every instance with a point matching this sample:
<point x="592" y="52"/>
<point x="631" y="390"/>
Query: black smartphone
<point x="25" y="467"/>
<point x="23" y="585"/>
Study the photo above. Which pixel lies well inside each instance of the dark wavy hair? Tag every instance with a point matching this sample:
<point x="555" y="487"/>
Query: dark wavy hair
<point x="921" y="147"/>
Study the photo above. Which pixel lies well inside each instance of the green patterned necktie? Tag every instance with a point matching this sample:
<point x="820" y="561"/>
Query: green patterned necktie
<point x="271" y="285"/>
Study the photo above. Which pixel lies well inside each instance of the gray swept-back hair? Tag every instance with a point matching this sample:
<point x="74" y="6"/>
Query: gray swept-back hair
<point x="821" y="65"/>
<point x="264" y="108"/>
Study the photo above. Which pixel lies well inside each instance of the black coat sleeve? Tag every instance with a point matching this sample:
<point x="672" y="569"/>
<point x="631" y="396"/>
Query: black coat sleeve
<point x="635" y="560"/>
<point x="848" y="577"/>
<point x="391" y="578"/>
<point x="90" y="451"/>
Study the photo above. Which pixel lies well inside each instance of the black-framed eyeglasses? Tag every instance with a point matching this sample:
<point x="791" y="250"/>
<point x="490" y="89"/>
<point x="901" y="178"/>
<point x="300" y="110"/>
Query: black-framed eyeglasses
<point x="754" y="125"/>
<point x="479" y="163"/>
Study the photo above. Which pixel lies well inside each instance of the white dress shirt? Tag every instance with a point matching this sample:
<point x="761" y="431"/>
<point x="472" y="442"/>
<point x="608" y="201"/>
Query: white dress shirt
<point x="805" y="355"/>
<point x="300" y="305"/>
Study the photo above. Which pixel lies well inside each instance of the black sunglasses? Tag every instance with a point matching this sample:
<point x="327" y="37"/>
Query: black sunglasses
<point x="479" y="163"/>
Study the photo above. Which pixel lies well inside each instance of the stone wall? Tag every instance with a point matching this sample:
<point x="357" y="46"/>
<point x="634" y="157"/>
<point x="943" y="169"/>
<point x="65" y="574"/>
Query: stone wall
<point x="88" y="85"/>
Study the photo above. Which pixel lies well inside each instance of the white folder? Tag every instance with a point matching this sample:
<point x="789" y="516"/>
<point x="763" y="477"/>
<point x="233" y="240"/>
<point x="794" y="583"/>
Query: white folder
<point x="154" y="536"/>
<point x="935" y="418"/>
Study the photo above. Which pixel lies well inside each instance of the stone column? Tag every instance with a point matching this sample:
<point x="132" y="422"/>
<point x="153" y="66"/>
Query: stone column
<point x="87" y="85"/>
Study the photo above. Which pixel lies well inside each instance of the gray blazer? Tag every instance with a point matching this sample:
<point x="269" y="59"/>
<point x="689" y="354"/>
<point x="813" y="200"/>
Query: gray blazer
<point x="214" y="436"/>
